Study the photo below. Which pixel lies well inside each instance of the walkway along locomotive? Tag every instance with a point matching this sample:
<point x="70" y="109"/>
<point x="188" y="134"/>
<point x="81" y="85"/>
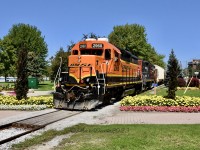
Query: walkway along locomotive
<point x="99" y="73"/>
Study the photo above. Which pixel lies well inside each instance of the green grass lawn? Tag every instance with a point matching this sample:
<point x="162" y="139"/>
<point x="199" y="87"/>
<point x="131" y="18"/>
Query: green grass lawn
<point x="42" y="86"/>
<point x="45" y="86"/>
<point x="163" y="92"/>
<point x="123" y="137"/>
<point x="6" y="83"/>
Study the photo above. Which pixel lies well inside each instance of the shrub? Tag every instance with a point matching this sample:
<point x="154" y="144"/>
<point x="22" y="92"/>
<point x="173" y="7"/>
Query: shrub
<point x="194" y="82"/>
<point x="181" y="82"/>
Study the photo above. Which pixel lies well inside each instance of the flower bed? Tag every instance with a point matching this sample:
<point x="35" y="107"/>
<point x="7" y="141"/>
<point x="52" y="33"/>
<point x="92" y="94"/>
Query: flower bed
<point x="161" y="108"/>
<point x="32" y="103"/>
<point x="159" y="103"/>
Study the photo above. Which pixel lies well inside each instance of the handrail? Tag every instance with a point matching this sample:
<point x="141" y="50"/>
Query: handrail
<point x="103" y="77"/>
<point x="58" y="74"/>
<point x="97" y="80"/>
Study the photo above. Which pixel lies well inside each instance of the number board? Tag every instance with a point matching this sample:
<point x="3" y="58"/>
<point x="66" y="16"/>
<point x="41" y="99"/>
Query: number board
<point x="97" y="45"/>
<point x="82" y="46"/>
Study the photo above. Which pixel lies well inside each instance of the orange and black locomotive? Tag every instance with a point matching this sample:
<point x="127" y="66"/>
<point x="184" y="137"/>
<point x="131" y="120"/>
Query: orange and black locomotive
<point x="99" y="73"/>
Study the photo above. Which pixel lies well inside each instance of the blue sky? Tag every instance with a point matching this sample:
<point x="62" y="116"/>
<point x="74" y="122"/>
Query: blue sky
<point x="170" y="24"/>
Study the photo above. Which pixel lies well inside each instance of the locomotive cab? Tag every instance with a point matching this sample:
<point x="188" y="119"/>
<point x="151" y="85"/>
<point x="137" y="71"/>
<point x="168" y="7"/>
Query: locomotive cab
<point x="91" y="60"/>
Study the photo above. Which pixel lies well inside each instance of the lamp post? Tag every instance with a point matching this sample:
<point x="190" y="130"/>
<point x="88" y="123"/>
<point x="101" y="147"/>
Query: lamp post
<point x="196" y="73"/>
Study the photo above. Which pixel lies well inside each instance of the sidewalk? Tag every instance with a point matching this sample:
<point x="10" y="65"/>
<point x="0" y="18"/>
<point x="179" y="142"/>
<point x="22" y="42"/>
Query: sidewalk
<point x="39" y="93"/>
<point x="30" y="93"/>
<point x="130" y="117"/>
<point x="153" y="118"/>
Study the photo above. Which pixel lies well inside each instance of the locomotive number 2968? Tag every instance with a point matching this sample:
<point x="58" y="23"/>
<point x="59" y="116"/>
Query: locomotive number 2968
<point x="97" y="45"/>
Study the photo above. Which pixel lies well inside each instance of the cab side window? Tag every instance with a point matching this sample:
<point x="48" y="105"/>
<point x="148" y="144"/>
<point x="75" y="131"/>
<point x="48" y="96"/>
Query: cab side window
<point x="75" y="52"/>
<point x="116" y="57"/>
<point x="107" y="54"/>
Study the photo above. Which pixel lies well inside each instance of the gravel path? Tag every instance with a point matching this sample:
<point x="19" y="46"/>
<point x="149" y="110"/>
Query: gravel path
<point x="107" y="115"/>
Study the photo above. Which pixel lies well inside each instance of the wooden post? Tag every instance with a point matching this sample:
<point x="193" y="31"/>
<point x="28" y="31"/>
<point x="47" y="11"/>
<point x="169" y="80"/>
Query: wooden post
<point x="155" y="85"/>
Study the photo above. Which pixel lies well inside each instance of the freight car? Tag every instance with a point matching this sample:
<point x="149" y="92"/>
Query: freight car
<point x="99" y="73"/>
<point x="160" y="74"/>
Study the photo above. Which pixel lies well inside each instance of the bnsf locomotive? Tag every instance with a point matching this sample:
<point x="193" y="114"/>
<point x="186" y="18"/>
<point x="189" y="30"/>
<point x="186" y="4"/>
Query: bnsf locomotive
<point x="99" y="73"/>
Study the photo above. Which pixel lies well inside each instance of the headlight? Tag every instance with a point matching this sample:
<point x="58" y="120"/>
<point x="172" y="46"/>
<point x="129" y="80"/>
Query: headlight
<point x="87" y="79"/>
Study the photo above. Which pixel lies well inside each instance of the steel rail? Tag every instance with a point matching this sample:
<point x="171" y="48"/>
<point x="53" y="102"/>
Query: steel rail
<point x="32" y="127"/>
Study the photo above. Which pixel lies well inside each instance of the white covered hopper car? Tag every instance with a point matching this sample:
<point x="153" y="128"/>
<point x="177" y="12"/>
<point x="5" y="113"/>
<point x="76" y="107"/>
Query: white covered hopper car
<point x="160" y="74"/>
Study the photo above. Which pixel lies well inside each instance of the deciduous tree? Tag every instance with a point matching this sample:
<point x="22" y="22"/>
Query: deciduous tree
<point x="29" y="37"/>
<point x="25" y="47"/>
<point x="7" y="58"/>
<point x="55" y="62"/>
<point x="132" y="37"/>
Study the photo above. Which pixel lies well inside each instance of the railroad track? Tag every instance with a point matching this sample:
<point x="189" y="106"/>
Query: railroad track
<point x="35" y="123"/>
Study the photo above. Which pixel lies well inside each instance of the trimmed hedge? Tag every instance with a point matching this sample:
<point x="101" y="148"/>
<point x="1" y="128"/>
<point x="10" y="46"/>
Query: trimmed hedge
<point x="181" y="82"/>
<point x="194" y="82"/>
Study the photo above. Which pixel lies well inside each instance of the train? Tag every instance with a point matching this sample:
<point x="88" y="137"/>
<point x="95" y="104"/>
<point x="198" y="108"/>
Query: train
<point x="100" y="73"/>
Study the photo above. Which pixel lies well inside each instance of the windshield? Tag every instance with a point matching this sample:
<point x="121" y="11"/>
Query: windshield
<point x="92" y="52"/>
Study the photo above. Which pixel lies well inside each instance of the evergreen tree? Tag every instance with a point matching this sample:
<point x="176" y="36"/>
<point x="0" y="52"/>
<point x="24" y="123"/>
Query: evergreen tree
<point x="21" y="87"/>
<point x="173" y="70"/>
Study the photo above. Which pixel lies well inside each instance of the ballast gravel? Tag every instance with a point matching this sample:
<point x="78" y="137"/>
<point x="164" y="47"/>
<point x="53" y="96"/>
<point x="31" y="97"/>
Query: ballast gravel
<point x="10" y="132"/>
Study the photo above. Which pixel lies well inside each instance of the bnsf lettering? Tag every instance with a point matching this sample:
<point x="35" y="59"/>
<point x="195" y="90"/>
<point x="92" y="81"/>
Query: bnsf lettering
<point x="97" y="45"/>
<point x="74" y="65"/>
<point x="80" y="65"/>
